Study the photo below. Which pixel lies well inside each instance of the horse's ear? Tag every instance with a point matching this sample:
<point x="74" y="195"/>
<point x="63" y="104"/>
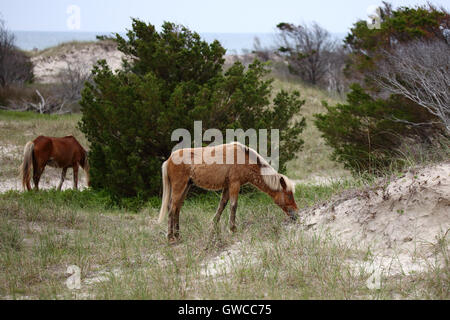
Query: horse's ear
<point x="283" y="183"/>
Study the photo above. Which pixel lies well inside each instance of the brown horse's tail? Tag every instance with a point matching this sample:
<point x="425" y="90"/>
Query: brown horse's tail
<point x="25" y="168"/>
<point x="166" y="193"/>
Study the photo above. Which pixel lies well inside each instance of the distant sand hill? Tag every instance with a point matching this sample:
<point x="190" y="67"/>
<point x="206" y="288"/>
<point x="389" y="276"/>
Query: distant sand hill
<point x="50" y="62"/>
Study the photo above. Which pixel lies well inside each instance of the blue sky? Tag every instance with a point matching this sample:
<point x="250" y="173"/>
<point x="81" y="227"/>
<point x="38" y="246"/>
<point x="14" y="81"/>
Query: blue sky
<point x="230" y="16"/>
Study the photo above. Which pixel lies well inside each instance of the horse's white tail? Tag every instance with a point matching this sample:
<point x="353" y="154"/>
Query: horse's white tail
<point x="25" y="168"/>
<point x="166" y="193"/>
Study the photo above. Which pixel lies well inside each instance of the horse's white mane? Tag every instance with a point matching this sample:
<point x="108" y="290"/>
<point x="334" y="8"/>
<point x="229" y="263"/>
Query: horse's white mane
<point x="270" y="176"/>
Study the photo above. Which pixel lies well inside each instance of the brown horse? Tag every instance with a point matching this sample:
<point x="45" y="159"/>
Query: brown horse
<point x="62" y="153"/>
<point x="204" y="171"/>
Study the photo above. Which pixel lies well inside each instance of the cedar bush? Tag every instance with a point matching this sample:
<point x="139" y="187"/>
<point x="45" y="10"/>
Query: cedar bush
<point x="365" y="132"/>
<point x="171" y="79"/>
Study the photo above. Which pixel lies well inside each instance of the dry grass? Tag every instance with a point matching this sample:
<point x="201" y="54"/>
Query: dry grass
<point x="125" y="255"/>
<point x="16" y="128"/>
<point x="42" y="238"/>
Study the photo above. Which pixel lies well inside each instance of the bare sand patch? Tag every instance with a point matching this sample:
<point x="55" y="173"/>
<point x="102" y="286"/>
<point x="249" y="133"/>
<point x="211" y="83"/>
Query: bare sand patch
<point x="49" y="180"/>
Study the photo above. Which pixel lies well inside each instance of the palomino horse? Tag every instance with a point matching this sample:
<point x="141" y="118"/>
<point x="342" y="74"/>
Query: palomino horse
<point x="62" y="153"/>
<point x="203" y="170"/>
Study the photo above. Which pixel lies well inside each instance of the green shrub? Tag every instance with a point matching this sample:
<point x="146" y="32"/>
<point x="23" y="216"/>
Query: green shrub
<point x="365" y="133"/>
<point x="171" y="79"/>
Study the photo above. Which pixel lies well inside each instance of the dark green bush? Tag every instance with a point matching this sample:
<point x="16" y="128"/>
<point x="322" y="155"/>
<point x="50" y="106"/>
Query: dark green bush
<point x="366" y="133"/>
<point x="171" y="79"/>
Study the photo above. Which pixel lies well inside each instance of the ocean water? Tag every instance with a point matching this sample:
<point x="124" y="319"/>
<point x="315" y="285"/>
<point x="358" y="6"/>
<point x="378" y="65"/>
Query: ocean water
<point x="235" y="43"/>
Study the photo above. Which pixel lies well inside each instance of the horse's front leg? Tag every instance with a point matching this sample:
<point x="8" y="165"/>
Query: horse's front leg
<point x="75" y="176"/>
<point x="234" y="192"/>
<point x="63" y="176"/>
<point x="222" y="204"/>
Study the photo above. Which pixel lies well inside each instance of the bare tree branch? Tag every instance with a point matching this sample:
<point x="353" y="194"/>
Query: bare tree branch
<point x="72" y="80"/>
<point x="306" y="49"/>
<point x="15" y="66"/>
<point x="419" y="71"/>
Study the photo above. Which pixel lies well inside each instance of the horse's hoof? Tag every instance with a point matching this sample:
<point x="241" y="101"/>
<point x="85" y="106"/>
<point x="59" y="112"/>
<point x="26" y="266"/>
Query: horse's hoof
<point x="174" y="241"/>
<point x="233" y="229"/>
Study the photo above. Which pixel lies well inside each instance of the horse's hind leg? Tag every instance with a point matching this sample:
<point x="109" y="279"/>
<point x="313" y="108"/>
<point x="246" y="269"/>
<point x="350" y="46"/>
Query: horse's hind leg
<point x="63" y="176"/>
<point x="38" y="169"/>
<point x="177" y="213"/>
<point x="75" y="176"/>
<point x="222" y="204"/>
<point x="36" y="178"/>
<point x="170" y="221"/>
<point x="178" y="193"/>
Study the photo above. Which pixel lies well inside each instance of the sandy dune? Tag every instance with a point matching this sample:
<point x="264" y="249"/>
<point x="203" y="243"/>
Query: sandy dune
<point x="401" y="222"/>
<point x="47" y="67"/>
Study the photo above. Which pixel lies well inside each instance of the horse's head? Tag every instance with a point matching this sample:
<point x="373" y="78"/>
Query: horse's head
<point x="284" y="198"/>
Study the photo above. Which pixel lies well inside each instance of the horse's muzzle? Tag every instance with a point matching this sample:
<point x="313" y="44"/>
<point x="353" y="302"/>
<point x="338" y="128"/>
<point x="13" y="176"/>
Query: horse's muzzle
<point x="293" y="215"/>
